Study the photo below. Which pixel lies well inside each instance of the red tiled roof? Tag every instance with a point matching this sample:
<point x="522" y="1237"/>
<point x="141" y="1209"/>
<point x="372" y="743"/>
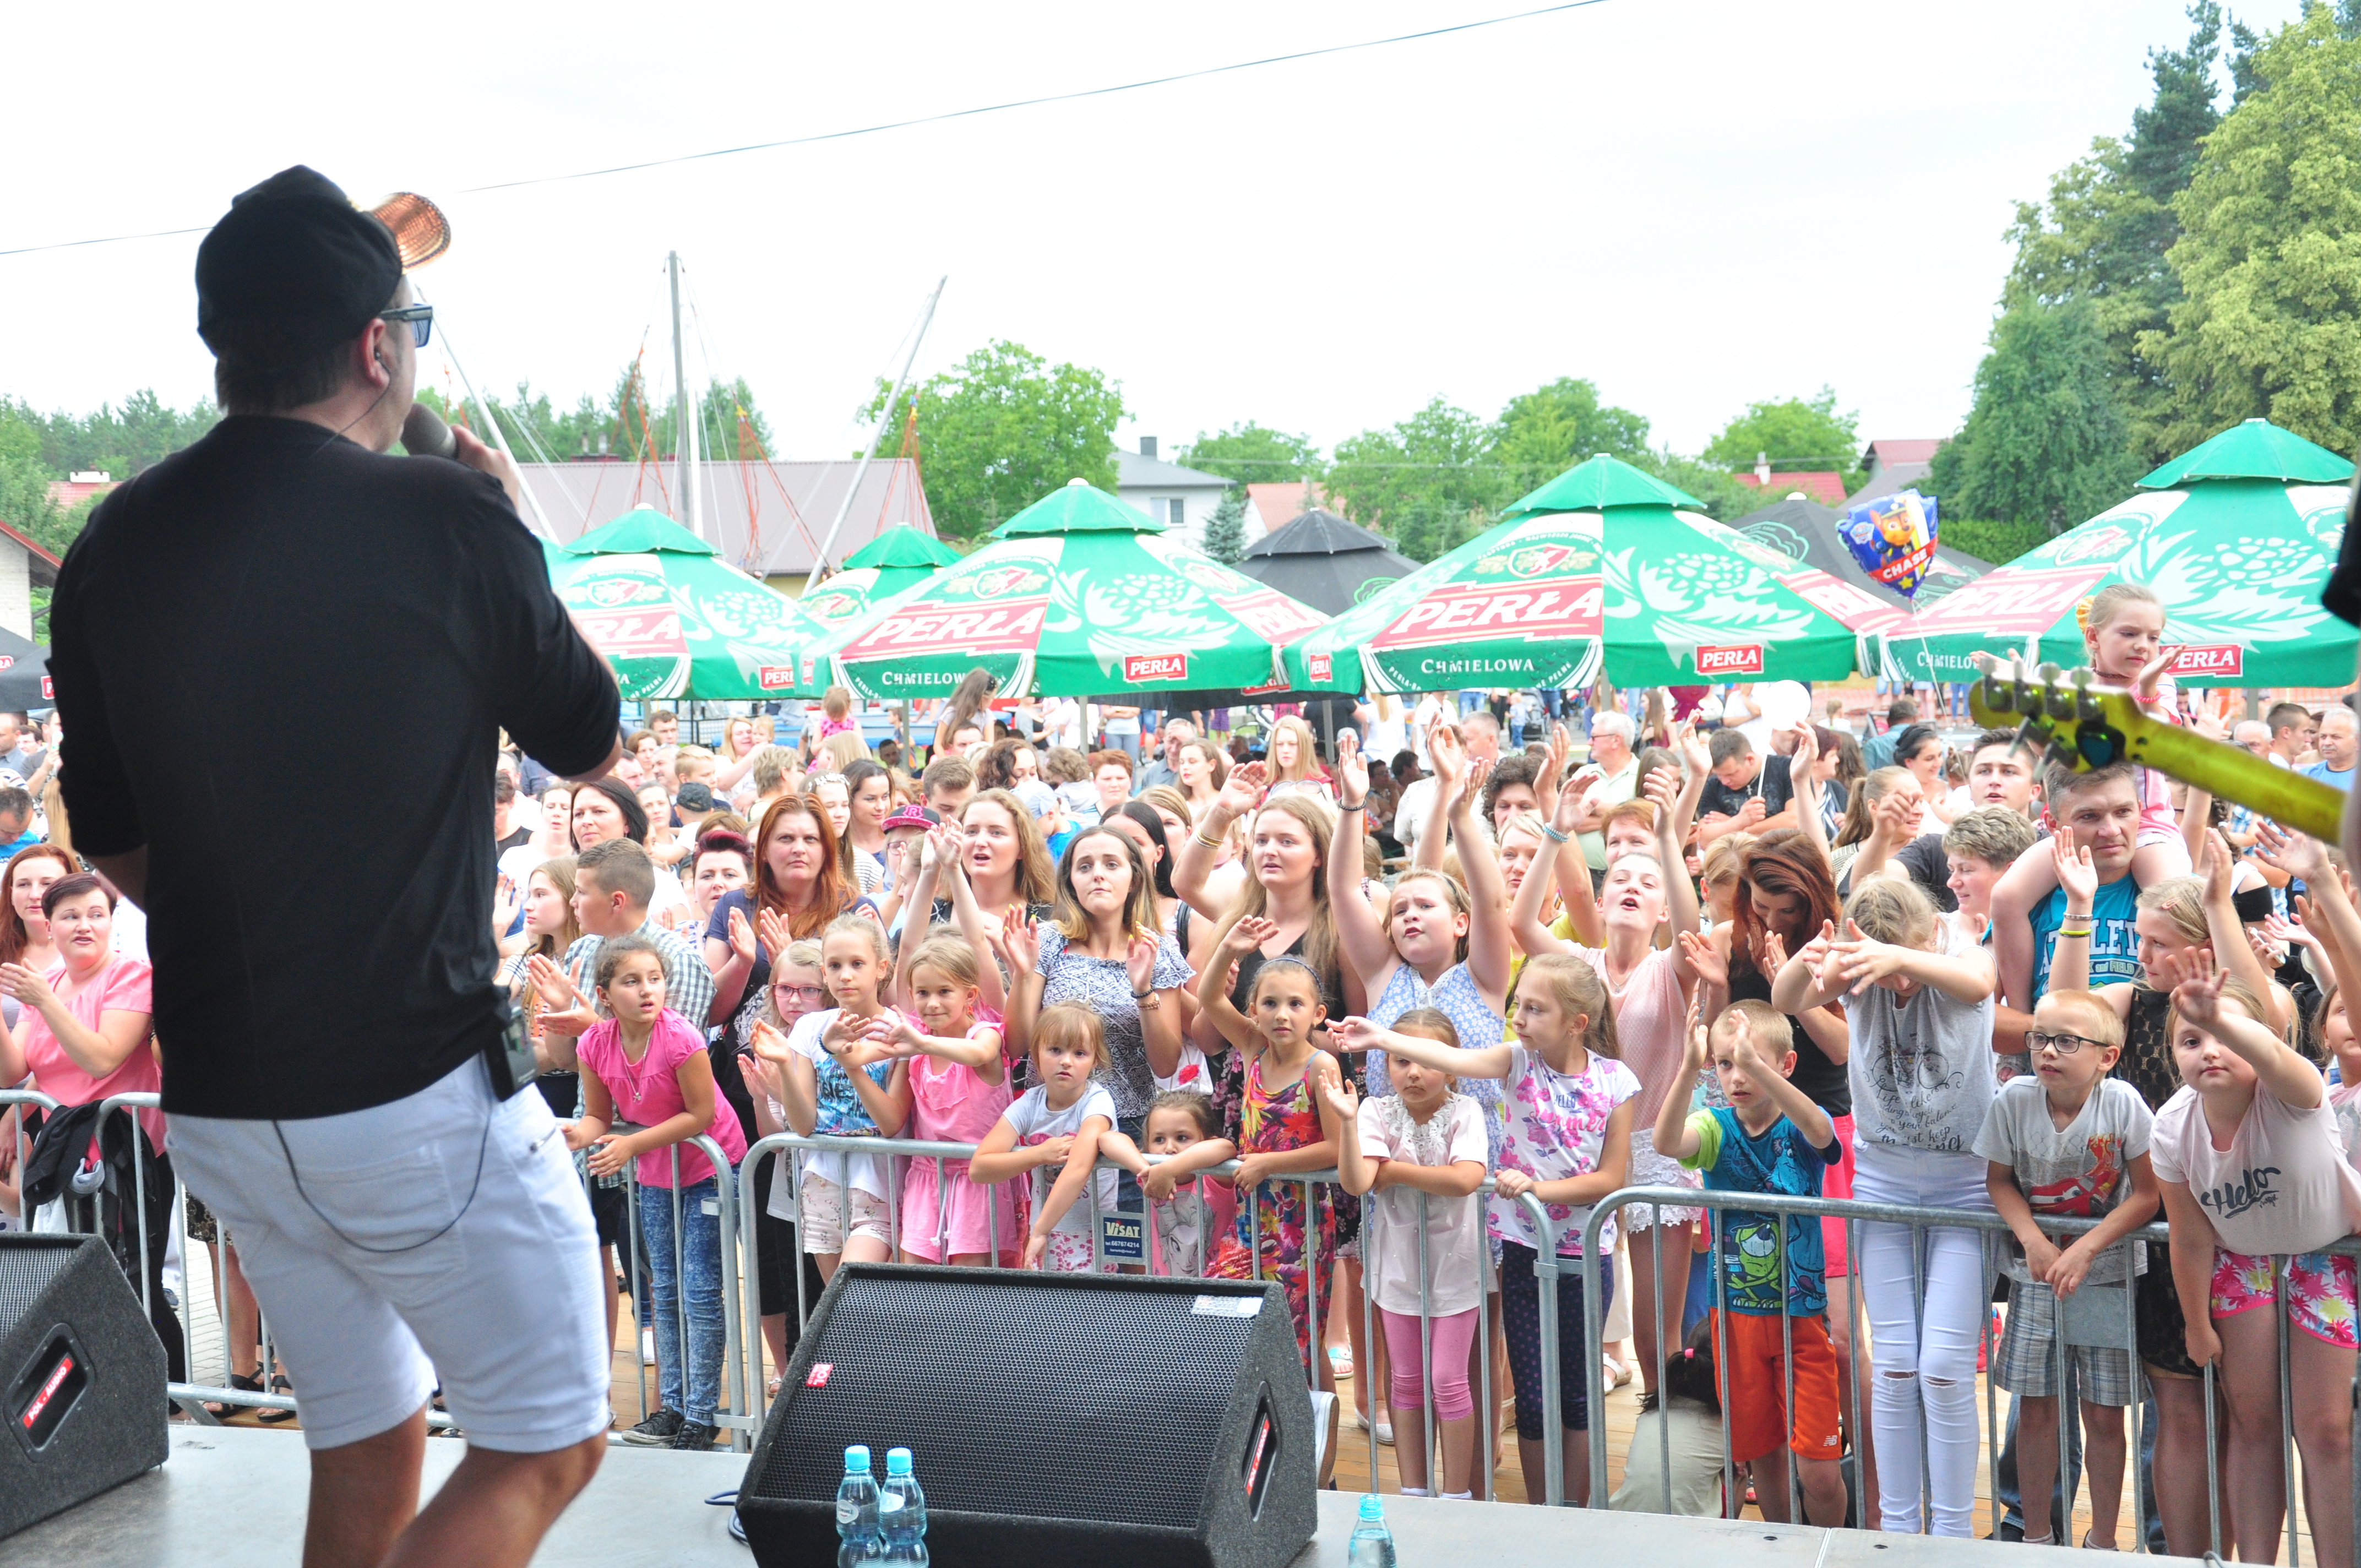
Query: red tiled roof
<point x="1891" y="452"/>
<point x="1280" y="502"/>
<point x="70" y="493"/>
<point x="1825" y="486"/>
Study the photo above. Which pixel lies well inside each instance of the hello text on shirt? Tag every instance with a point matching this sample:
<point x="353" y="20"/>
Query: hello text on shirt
<point x="2251" y="1190"/>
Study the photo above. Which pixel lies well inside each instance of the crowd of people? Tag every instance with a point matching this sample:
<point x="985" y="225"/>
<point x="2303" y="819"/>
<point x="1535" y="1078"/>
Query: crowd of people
<point x="1726" y="950"/>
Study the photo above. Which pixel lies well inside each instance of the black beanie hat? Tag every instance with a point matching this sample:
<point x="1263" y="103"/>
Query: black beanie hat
<point x="295" y="265"/>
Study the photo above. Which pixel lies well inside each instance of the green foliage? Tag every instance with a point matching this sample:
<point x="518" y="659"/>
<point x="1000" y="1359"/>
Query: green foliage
<point x="1998" y="543"/>
<point x="624" y="425"/>
<point x="1724" y="498"/>
<point x="1427" y="481"/>
<point x="1796" y="433"/>
<point x="2046" y="445"/>
<point x="1544" y="433"/>
<point x="1251" y="453"/>
<point x="1003" y="428"/>
<point x="122" y="441"/>
<point x="2270" y="260"/>
<point x="1225" y="531"/>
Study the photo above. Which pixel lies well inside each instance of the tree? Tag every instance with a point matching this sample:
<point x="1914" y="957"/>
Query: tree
<point x="2045" y="443"/>
<point x="1796" y="433"/>
<point x="1724" y="498"/>
<point x="2270" y="259"/>
<point x="1545" y="431"/>
<point x="1428" y="481"/>
<point x="1225" y="531"/>
<point x="1002" y="429"/>
<point x="1250" y="454"/>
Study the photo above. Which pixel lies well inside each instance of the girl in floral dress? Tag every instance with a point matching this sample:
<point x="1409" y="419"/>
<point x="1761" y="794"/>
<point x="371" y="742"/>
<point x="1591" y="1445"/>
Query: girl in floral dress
<point x="1287" y="1127"/>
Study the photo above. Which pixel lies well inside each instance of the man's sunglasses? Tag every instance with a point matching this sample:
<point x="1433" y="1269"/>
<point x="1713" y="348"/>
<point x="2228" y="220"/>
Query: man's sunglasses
<point x="420" y="317"/>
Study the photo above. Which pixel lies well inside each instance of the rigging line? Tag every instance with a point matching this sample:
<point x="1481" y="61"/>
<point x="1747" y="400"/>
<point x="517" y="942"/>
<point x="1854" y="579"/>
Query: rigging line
<point x="948" y="114"/>
<point x="754" y="554"/>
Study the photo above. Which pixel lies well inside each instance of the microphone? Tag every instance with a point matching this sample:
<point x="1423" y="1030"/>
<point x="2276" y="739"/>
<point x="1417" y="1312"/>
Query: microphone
<point x="423" y="434"/>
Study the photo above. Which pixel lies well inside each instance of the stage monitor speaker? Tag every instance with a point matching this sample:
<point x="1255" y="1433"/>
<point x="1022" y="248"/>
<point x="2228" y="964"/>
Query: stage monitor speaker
<point x="82" y="1378"/>
<point x="1055" y="1418"/>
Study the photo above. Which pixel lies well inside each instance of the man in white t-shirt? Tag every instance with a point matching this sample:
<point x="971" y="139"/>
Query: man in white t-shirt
<point x="1609" y="779"/>
<point x="1481" y="734"/>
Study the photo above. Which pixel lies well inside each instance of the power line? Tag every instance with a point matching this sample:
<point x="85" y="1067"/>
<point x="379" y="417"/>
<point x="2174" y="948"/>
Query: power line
<point x="919" y="120"/>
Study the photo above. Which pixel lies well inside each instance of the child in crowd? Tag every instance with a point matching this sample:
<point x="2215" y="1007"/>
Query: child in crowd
<point x="1770" y="1138"/>
<point x="1568" y="1144"/>
<point x="836" y="708"/>
<point x="1183" y="1128"/>
<point x="2122" y="634"/>
<point x="1683" y="1412"/>
<point x="1918" y="1006"/>
<point x="645" y="1064"/>
<point x="2249" y="1162"/>
<point x="1287" y="1127"/>
<point x="1422" y="1142"/>
<point x="958" y="1086"/>
<point x="1980" y="847"/>
<point x="2068" y="1140"/>
<point x="1063" y="1121"/>
<point x="840" y="1083"/>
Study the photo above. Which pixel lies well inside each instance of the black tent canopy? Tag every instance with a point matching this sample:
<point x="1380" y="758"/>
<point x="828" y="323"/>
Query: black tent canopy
<point x="1808" y="530"/>
<point x="1325" y="561"/>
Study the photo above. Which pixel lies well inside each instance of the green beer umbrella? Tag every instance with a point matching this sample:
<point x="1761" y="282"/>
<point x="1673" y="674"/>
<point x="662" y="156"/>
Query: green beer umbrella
<point x="2237" y="536"/>
<point x="1080" y="595"/>
<point x="1603" y="567"/>
<point x="673" y="620"/>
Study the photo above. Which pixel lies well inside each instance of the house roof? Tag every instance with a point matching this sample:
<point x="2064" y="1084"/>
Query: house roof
<point x="43" y="565"/>
<point x="766" y="518"/>
<point x="1134" y="472"/>
<point x="70" y="493"/>
<point x="1891" y="478"/>
<point x="1316" y="532"/>
<point x="1826" y="485"/>
<point x="1889" y="451"/>
<point x="1279" y="502"/>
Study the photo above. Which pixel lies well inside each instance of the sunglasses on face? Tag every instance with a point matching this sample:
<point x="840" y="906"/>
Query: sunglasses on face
<point x="420" y="317"/>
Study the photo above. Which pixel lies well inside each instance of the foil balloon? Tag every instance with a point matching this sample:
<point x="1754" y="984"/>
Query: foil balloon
<point x="1893" y="537"/>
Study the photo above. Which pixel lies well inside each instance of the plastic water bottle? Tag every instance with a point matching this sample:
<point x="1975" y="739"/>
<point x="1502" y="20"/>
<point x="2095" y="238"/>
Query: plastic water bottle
<point x="856" y="1512"/>
<point x="1372" y="1545"/>
<point x="902" y="1512"/>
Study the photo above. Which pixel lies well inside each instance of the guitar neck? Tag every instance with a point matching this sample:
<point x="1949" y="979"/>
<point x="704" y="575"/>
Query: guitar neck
<point x="2237" y="774"/>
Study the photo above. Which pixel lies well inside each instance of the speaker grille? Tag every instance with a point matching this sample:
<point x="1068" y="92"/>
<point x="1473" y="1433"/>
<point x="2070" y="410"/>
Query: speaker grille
<point x="28" y="1268"/>
<point x="1132" y="1380"/>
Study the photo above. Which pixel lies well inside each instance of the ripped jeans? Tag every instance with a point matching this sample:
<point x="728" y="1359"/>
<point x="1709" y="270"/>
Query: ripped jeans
<point x="1923" y="1352"/>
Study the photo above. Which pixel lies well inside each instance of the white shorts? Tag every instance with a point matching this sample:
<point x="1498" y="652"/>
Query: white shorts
<point x="498" y="1292"/>
<point x="1650" y="1168"/>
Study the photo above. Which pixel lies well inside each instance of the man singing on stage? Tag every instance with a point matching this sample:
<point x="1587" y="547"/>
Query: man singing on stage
<point x="325" y="998"/>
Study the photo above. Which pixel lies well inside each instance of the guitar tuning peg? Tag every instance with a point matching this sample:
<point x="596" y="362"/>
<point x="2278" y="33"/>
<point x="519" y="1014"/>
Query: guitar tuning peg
<point x="2055" y="699"/>
<point x="2085" y="706"/>
<point x="1998" y="695"/>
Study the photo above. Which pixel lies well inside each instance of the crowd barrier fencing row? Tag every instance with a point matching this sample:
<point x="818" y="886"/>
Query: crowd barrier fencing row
<point x="1124" y="1239"/>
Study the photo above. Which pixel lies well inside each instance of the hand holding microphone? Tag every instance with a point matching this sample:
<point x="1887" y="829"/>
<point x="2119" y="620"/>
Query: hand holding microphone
<point x="423" y="434"/>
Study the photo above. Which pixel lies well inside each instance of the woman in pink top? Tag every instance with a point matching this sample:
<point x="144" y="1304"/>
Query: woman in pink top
<point x="647" y="1066"/>
<point x="2248" y="1157"/>
<point x="1649" y="988"/>
<point x="83" y="1031"/>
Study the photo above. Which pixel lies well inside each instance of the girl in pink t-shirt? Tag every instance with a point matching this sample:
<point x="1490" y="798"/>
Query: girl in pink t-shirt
<point x="84" y="1028"/>
<point x="647" y="1066"/>
<point x="2251" y="1168"/>
<point x="958" y="1086"/>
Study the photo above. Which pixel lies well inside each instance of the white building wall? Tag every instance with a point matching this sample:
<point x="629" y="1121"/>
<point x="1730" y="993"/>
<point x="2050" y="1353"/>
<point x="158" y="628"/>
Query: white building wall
<point x="16" y="588"/>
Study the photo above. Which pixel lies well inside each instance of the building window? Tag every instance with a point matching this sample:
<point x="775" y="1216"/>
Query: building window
<point x="1180" y="516"/>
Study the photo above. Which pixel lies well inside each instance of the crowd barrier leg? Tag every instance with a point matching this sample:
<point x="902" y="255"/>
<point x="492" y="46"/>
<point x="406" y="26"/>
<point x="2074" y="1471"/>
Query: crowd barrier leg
<point x="1315" y="1321"/>
<point x="2287" y="1409"/>
<point x="2212" y="1472"/>
<point x="1855" y="1368"/>
<point x="1431" y="1417"/>
<point x="1488" y="1422"/>
<point x="1381" y="1398"/>
<point x="1733" y="1499"/>
<point x="1797" y="1511"/>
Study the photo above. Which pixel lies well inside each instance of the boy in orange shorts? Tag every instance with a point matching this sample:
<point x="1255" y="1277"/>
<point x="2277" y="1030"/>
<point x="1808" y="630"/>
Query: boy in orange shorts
<point x="1769" y="1138"/>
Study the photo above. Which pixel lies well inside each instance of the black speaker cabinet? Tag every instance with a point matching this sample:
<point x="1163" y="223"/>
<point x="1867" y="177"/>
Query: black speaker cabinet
<point x="1054" y="1419"/>
<point x="82" y="1378"/>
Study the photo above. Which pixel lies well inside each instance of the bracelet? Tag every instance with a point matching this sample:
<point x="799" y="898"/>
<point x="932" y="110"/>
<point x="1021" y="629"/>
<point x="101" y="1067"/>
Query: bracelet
<point x="2065" y="931"/>
<point x="1199" y="837"/>
<point x="1142" y="995"/>
<point x="1549" y="832"/>
<point x="1353" y="806"/>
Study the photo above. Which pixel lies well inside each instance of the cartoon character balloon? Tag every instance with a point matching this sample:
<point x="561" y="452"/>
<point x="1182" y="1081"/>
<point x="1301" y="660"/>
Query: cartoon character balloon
<point x="1893" y="537"/>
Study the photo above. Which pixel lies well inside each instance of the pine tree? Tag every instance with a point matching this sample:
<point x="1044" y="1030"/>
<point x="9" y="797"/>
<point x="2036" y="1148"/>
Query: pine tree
<point x="1225" y="531"/>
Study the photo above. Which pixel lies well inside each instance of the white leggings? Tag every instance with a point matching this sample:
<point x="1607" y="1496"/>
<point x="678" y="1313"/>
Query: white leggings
<point x="1923" y="1352"/>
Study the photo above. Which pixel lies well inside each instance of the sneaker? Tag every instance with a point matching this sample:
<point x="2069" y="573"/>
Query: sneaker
<point x="657" y="1431"/>
<point x="694" y="1436"/>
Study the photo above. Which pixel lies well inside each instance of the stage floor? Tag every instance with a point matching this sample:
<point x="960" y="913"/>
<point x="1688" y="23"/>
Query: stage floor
<point x="235" y="1496"/>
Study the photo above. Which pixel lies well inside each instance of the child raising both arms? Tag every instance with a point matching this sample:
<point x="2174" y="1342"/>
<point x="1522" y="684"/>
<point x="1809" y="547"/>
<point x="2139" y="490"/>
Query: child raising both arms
<point x="2250" y="1167"/>
<point x="1422" y="1145"/>
<point x="1568" y="1144"/>
<point x="1771" y="1138"/>
<point x="1061" y="1121"/>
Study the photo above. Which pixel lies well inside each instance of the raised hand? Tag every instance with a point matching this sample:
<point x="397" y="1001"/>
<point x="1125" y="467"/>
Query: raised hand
<point x="1699" y="1046"/>
<point x="1139" y="964"/>
<point x="1548" y="788"/>
<point x="1242" y="790"/>
<point x="2144" y="683"/>
<point x="2196" y="987"/>
<point x="1471" y="787"/>
<point x="777" y="938"/>
<point x="1352" y="768"/>
<point x="2279" y="928"/>
<point x="504" y="905"/>
<point x="1710" y="967"/>
<point x="1020" y="939"/>
<point x="1695" y="756"/>
<point x="1337" y="1091"/>
<point x="741" y="936"/>
<point x="769" y="1044"/>
<point x="1863" y="962"/>
<point x="557" y="990"/>
<point x="2076" y="874"/>
<point x="1355" y="1035"/>
<point x="1445" y="757"/>
<point x="1247" y="936"/>
<point x="2298" y="854"/>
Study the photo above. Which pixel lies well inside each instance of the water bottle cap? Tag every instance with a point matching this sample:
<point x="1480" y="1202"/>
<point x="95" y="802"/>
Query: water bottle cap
<point x="1372" y="1508"/>
<point x="856" y="1459"/>
<point x="897" y="1462"/>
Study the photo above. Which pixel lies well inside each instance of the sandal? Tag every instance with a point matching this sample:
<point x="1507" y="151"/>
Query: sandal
<point x="278" y="1384"/>
<point x="2086" y="1546"/>
<point x="242" y="1384"/>
<point x="1340" y="1360"/>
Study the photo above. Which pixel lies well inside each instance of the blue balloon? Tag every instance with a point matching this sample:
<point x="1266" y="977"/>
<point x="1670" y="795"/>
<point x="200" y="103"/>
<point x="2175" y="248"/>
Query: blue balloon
<point x="1893" y="538"/>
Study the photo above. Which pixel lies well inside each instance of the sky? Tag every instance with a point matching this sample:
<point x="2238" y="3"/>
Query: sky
<point x="1693" y="205"/>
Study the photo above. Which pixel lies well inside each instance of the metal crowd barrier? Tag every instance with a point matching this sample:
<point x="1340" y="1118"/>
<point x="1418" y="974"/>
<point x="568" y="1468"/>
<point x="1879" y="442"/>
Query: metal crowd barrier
<point x="1919" y="1220"/>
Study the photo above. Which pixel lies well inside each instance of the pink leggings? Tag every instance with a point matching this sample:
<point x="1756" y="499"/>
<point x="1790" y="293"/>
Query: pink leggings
<point x="1450" y="1338"/>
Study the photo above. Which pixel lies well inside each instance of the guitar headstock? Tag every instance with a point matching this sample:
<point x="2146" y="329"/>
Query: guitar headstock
<point x="2064" y="715"/>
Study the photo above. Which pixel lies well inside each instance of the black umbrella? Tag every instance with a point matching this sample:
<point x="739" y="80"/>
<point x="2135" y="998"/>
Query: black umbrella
<point x="24" y="674"/>
<point x="1807" y="531"/>
<point x="1325" y="562"/>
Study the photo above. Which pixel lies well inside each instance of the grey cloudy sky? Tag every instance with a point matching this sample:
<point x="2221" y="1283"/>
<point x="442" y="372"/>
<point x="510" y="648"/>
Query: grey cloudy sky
<point x="1693" y="205"/>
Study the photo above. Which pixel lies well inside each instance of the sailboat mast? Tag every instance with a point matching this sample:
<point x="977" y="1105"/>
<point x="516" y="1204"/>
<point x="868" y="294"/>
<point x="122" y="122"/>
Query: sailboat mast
<point x="684" y="424"/>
